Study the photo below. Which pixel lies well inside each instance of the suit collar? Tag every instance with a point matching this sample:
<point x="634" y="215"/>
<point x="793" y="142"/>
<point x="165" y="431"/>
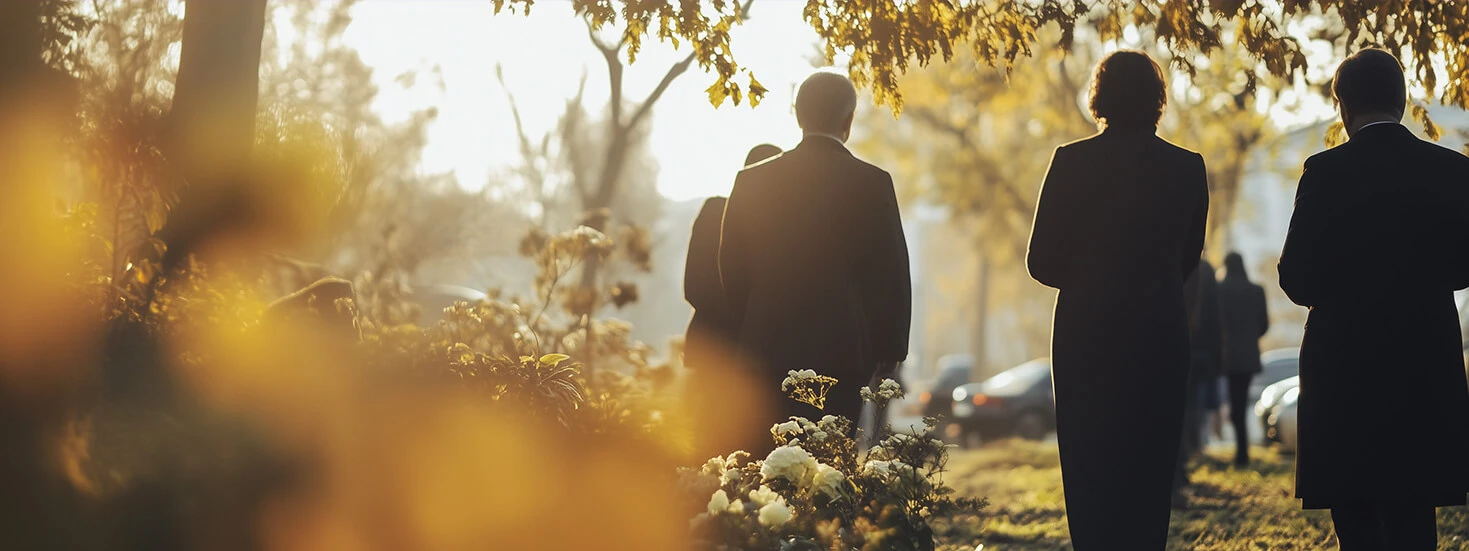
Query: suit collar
<point x="822" y="141"/>
<point x="1383" y="129"/>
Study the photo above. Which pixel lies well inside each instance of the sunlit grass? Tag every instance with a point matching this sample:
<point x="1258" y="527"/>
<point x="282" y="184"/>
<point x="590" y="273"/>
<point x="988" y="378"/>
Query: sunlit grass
<point x="1229" y="510"/>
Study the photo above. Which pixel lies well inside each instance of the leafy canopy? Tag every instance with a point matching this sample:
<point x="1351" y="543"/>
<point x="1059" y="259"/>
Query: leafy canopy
<point x="882" y="38"/>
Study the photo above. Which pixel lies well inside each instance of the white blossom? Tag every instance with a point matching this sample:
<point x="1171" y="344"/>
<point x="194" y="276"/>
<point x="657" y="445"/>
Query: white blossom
<point x="775" y="513"/>
<point x="795" y="377"/>
<point x="787" y="427"/>
<point x="876" y="467"/>
<point x="718" y="502"/>
<point x="829" y="481"/>
<point x="729" y="476"/>
<point x="763" y="496"/>
<point x="737" y="507"/>
<point x="789" y="462"/>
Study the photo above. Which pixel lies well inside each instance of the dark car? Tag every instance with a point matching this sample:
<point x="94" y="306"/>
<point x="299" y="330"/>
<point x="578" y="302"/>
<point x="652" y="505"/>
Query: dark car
<point x="1016" y="402"/>
<point x="954" y="370"/>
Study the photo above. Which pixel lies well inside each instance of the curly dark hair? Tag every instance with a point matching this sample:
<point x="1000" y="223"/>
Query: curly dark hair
<point x="1128" y="90"/>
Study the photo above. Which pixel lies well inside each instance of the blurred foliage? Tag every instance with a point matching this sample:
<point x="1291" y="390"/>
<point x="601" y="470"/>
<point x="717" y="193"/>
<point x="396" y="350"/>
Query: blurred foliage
<point x="882" y="39"/>
<point x="816" y="490"/>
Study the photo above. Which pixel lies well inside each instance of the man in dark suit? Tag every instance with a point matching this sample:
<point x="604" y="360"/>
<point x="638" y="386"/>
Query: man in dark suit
<point x="1244" y="319"/>
<point x="813" y="258"/>
<point x="1377" y="246"/>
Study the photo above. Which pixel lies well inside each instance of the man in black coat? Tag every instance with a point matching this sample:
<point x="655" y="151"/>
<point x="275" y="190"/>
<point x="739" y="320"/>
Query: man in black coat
<point x="1244" y="319"/>
<point x="813" y="258"/>
<point x="1377" y="246"/>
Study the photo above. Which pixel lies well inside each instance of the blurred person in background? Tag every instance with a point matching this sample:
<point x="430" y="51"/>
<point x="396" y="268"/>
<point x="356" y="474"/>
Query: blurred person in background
<point x="1201" y="300"/>
<point x="709" y="341"/>
<point x="1118" y="229"/>
<point x="1377" y="246"/>
<point x="1245" y="319"/>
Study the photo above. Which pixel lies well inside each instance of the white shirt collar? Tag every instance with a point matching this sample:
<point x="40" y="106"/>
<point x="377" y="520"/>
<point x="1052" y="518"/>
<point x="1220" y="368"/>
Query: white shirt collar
<point x="1375" y="123"/>
<point x="831" y="137"/>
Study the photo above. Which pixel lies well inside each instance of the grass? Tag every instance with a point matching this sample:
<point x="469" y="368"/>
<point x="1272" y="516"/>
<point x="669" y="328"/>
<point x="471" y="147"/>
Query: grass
<point x="1229" y="510"/>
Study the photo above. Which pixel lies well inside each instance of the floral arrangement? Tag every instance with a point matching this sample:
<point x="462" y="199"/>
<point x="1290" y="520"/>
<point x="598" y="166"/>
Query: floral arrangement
<point x="817" y="491"/>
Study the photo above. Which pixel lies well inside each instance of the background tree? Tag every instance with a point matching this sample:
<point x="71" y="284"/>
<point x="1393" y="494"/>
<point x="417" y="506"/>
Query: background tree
<point x="884" y="39"/>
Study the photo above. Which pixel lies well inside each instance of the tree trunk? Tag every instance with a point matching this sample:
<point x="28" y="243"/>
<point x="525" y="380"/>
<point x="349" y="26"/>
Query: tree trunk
<point x="214" y="103"/>
<point x="211" y="127"/>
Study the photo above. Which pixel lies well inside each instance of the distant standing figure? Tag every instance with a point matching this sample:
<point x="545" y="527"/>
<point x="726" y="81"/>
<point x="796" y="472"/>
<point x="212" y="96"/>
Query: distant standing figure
<point x="1245" y="320"/>
<point x="709" y="341"/>
<point x="1377" y="245"/>
<point x="813" y="258"/>
<point x="1119" y="227"/>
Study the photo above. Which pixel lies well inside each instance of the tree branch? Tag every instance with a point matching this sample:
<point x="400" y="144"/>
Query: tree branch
<point x="673" y="73"/>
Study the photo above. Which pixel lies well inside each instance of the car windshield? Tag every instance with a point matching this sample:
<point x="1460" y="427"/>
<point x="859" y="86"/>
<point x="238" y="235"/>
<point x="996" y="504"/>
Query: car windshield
<point x="1017" y="379"/>
<point x="1279" y="370"/>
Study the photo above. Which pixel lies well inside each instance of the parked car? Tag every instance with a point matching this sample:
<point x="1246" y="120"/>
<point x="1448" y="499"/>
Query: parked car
<point x="1281" y="420"/>
<point x="433" y="299"/>
<point x="954" y="370"/>
<point x="1016" y="402"/>
<point x="1277" y="365"/>
<point x="1270" y="409"/>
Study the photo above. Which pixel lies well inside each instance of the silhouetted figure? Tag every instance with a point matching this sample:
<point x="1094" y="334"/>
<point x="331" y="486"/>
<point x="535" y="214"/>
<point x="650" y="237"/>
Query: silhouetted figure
<point x="813" y="258"/>
<point x="1378" y="244"/>
<point x="1206" y="339"/>
<point x="709" y="342"/>
<point x="1119" y="227"/>
<point x="1245" y="320"/>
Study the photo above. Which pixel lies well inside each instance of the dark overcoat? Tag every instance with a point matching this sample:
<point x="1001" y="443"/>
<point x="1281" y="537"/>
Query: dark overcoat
<point x="709" y="340"/>
<point x="1245" y="319"/>
<point x="815" y="266"/>
<point x="1118" y="229"/>
<point x="1377" y="245"/>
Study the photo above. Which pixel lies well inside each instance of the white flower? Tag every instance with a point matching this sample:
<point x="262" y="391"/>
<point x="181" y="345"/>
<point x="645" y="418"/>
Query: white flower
<point x="714" y="466"/>
<point x="718" y="502"/>
<point x="789" y="462"/>
<point x="763" y="496"/>
<point x="818" y="436"/>
<point x="891" y="387"/>
<point x="735" y="458"/>
<point x="829" y="481"/>
<point x="795" y="377"/>
<point x="737" y="507"/>
<point x="775" y="513"/>
<point x="881" y="468"/>
<point x="829" y="423"/>
<point x="786" y="428"/>
<point x="729" y="476"/>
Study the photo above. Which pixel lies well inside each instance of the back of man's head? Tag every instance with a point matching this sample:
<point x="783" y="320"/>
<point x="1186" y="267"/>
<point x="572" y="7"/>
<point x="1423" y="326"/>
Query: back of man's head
<point x="1370" y="81"/>
<point x="825" y="104"/>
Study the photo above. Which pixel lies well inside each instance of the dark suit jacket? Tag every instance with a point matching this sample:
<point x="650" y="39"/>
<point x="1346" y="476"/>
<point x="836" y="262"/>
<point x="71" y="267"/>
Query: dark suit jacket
<point x="1377" y="246"/>
<point x="1245" y="319"/>
<point x="815" y="266"/>
<point x="712" y="330"/>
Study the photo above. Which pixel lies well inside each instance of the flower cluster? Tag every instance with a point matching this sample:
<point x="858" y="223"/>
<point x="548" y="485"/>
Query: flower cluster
<point x="808" y="387"/>
<point x="887" y="391"/>
<point x="816" y="490"/>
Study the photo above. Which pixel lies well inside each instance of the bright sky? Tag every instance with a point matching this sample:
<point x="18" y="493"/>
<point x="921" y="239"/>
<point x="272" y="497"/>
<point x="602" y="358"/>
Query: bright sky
<point x="698" y="148"/>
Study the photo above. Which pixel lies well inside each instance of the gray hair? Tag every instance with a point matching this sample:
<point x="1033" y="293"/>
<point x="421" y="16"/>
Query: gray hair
<point x="824" y="102"/>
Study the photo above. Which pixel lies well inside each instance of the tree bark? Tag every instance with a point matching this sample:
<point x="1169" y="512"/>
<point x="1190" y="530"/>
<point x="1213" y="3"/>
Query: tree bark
<point x="211" y="127"/>
<point x="213" y="118"/>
